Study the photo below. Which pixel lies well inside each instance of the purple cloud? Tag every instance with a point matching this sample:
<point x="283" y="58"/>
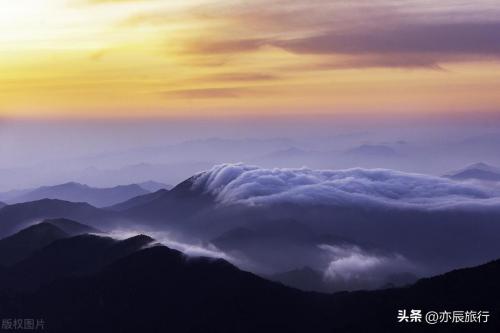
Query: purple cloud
<point x="444" y="39"/>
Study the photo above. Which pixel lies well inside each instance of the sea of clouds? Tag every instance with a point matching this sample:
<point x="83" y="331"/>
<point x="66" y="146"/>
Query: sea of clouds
<point x="252" y="185"/>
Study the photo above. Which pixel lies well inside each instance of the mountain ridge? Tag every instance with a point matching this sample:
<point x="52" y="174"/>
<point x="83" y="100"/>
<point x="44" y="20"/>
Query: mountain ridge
<point x="17" y="216"/>
<point x="77" y="192"/>
<point x="477" y="171"/>
<point x="159" y="289"/>
<point x="25" y="242"/>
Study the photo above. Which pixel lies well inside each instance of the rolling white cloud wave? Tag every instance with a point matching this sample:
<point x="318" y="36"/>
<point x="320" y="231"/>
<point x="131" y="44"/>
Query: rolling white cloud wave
<point x="251" y="185"/>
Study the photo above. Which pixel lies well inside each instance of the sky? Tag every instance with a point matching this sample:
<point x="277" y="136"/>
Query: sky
<point x="119" y="59"/>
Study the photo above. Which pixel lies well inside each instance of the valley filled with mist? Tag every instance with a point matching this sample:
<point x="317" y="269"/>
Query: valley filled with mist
<point x="377" y="211"/>
<point x="348" y="208"/>
<point x="218" y="166"/>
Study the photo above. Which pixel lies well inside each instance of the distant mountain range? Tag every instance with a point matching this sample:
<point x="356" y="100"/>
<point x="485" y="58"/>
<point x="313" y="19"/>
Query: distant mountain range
<point x="375" y="155"/>
<point x="18" y="216"/>
<point x="76" y="192"/>
<point x="477" y="171"/>
<point x="153" y="186"/>
<point x="138" y="201"/>
<point x="372" y="150"/>
<point x="284" y="236"/>
<point x="94" y="283"/>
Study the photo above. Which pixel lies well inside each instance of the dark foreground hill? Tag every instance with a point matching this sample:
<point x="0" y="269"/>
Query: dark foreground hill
<point x="24" y="243"/>
<point x="161" y="290"/>
<point x="79" y="255"/>
<point x="72" y="228"/>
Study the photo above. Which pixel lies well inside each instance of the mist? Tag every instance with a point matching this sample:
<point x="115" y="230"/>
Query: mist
<point x="105" y="153"/>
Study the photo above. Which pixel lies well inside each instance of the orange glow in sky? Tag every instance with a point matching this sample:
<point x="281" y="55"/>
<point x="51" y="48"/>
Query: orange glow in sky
<point x="105" y="58"/>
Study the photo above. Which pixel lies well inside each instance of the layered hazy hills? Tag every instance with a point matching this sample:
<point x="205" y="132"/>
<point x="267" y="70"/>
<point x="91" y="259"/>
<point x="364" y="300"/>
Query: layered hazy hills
<point x="337" y="222"/>
<point x="22" y="244"/>
<point x="76" y="192"/>
<point x="101" y="284"/>
<point x="148" y="207"/>
<point x="379" y="155"/>
<point x="17" y="216"/>
<point x="373" y="150"/>
<point x="477" y="171"/>
<point x="138" y="201"/>
<point x="67" y="256"/>
<point x="153" y="186"/>
<point x="181" y="202"/>
<point x="73" y="201"/>
<point x="178" y="161"/>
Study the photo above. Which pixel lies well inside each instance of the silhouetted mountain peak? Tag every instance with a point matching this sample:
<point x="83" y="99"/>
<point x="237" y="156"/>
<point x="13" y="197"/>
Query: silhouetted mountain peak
<point x="180" y="202"/>
<point x="185" y="188"/>
<point x="71" y="227"/>
<point x="141" y="238"/>
<point x="22" y="244"/>
<point x="138" y="241"/>
<point x="483" y="166"/>
<point x="164" y="259"/>
<point x="67" y="185"/>
<point x="129" y="186"/>
<point x="48" y="201"/>
<point x="479" y="171"/>
<point x="37" y="229"/>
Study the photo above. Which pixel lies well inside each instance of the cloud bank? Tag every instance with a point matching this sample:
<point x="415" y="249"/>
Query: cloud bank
<point x="254" y="186"/>
<point x="448" y="38"/>
<point x="353" y="268"/>
<point x="405" y="34"/>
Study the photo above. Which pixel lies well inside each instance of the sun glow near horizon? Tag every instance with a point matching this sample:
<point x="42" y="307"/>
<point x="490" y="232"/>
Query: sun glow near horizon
<point x="98" y="58"/>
